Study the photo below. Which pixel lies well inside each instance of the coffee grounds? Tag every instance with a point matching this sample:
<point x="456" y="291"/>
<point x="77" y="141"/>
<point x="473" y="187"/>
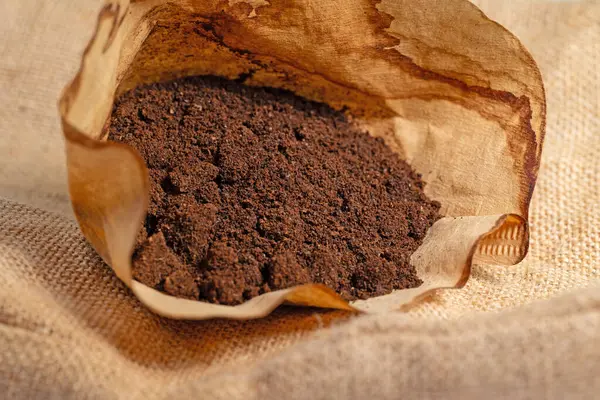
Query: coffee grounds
<point x="255" y="189"/>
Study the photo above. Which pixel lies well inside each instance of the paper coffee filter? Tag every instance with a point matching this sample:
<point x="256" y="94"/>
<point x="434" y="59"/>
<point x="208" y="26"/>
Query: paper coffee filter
<point x="450" y="91"/>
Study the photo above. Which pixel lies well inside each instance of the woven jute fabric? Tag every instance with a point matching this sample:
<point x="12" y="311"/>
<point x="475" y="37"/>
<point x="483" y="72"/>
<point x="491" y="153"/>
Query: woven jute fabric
<point x="70" y="329"/>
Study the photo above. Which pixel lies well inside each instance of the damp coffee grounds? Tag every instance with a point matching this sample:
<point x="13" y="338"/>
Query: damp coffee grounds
<point x="255" y="189"/>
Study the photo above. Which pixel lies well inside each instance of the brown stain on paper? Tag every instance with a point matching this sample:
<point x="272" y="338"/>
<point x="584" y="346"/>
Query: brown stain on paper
<point x="226" y="31"/>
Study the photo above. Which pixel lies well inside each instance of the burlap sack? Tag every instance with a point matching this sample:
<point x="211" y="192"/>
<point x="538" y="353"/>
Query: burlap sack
<point x="70" y="329"/>
<point x="474" y="130"/>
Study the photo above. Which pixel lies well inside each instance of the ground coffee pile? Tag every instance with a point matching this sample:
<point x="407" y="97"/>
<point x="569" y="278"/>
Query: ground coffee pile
<point x="254" y="190"/>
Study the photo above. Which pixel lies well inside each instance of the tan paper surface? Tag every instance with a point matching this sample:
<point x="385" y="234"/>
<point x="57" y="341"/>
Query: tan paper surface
<point x="466" y="108"/>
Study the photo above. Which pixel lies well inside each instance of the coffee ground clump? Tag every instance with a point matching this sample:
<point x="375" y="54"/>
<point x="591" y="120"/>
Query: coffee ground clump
<point x="254" y="190"/>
